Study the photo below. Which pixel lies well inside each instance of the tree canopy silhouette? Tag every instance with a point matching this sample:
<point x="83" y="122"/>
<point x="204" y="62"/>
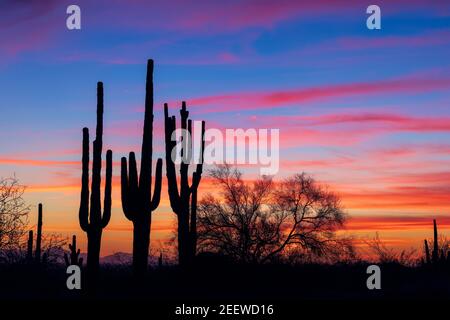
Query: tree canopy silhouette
<point x="256" y="222"/>
<point x="13" y="213"/>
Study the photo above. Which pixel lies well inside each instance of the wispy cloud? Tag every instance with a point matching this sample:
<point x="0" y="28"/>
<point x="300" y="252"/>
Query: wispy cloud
<point x="279" y="98"/>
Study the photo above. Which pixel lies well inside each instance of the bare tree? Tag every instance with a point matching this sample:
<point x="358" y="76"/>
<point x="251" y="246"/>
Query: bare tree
<point x="257" y="222"/>
<point x="13" y="214"/>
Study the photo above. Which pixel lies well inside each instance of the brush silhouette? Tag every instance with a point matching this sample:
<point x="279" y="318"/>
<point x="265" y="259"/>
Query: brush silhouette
<point x="90" y="215"/>
<point x="184" y="200"/>
<point x="137" y="203"/>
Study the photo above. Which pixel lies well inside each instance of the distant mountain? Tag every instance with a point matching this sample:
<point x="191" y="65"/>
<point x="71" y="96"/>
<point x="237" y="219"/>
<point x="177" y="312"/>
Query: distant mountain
<point x="117" y="258"/>
<point x="124" y="258"/>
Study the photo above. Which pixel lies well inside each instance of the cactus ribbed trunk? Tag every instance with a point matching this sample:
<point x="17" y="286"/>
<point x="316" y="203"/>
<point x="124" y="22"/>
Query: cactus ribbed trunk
<point x="90" y="215"/>
<point x="93" y="254"/>
<point x="141" y="244"/>
<point x="137" y="203"/>
<point x="185" y="252"/>
<point x="184" y="201"/>
<point x="37" y="254"/>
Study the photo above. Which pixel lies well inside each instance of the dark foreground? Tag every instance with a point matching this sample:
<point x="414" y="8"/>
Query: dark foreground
<point x="285" y="287"/>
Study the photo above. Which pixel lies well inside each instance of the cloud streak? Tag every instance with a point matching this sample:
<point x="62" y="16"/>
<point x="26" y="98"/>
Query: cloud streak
<point x="279" y="98"/>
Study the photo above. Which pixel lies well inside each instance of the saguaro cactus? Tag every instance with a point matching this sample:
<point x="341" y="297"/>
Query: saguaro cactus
<point x="91" y="219"/>
<point x="73" y="258"/>
<point x="137" y="203"/>
<point x="439" y="255"/>
<point x="37" y="254"/>
<point x="184" y="201"/>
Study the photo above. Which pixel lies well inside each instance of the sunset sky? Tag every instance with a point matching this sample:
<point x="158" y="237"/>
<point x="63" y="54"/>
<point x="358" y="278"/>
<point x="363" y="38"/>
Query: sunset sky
<point x="365" y="111"/>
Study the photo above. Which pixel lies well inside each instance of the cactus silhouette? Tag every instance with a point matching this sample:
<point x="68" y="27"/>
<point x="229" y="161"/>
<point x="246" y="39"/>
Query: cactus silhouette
<point x="184" y="201"/>
<point x="37" y="254"/>
<point x="73" y="258"/>
<point x="435" y="253"/>
<point x="90" y="215"/>
<point x="30" y="246"/>
<point x="438" y="255"/>
<point x="137" y="203"/>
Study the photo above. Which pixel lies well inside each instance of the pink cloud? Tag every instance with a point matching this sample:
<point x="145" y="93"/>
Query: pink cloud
<point x="279" y="98"/>
<point x="403" y="222"/>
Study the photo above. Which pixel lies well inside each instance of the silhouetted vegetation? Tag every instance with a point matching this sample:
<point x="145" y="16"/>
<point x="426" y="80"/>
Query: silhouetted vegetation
<point x="183" y="200"/>
<point x="440" y="255"/>
<point x="74" y="257"/>
<point x="13" y="215"/>
<point x="137" y="203"/>
<point x="90" y="215"/>
<point x="258" y="222"/>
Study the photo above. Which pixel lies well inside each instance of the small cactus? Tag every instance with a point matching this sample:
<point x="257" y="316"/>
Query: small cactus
<point x="439" y="255"/>
<point x="37" y="254"/>
<point x="435" y="254"/>
<point x="74" y="257"/>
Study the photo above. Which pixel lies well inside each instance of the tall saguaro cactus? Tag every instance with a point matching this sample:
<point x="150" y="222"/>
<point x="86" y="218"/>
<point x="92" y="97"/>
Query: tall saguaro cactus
<point x="137" y="203"/>
<point x="184" y="200"/>
<point x="90" y="215"/>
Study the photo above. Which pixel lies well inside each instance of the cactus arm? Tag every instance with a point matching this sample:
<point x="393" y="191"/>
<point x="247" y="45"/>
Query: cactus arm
<point x="133" y="190"/>
<point x="197" y="175"/>
<point x="157" y="190"/>
<point x="125" y="189"/>
<point x="169" y="128"/>
<point x="84" y="202"/>
<point x="107" y="201"/>
<point x="184" y="166"/>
